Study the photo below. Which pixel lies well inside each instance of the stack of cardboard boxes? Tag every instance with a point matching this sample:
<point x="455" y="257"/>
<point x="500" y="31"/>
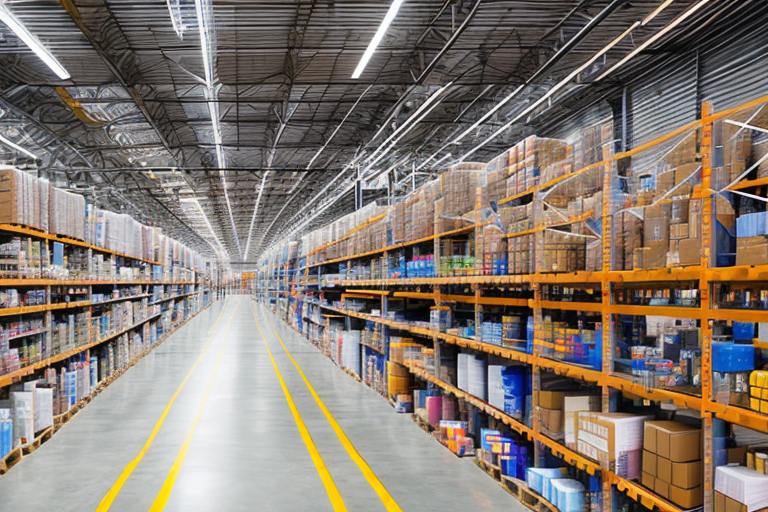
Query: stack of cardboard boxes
<point x="558" y="410"/>
<point x="560" y="251"/>
<point x="758" y="391"/>
<point x="752" y="239"/>
<point x="672" y="462"/>
<point x="740" y="489"/>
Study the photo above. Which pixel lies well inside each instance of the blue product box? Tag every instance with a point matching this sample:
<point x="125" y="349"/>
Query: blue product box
<point x="732" y="357"/>
<point x="485" y="432"/>
<point x="743" y="331"/>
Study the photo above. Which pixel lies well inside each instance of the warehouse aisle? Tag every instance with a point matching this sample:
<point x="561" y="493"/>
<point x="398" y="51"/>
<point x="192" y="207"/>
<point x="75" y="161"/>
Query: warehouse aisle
<point x="230" y="441"/>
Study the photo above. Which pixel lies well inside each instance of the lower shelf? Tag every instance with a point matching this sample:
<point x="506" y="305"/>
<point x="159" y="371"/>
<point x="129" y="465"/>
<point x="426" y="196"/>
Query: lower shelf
<point x="15" y="456"/>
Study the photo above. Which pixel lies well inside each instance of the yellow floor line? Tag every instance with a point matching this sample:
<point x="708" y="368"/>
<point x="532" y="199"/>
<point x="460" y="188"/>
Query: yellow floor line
<point x="389" y="502"/>
<point x="330" y="486"/>
<point x="107" y="501"/>
<point x="165" y="491"/>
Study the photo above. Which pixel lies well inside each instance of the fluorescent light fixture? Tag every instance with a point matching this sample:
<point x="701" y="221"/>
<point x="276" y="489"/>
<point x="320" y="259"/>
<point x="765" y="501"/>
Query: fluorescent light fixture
<point x="656" y="11"/>
<point x="220" y="250"/>
<point x="391" y="13"/>
<point x="255" y="211"/>
<point x="29" y="39"/>
<point x="18" y="148"/>
<point x="658" y="35"/>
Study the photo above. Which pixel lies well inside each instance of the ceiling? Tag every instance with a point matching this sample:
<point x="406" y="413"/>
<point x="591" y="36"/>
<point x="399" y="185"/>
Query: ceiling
<point x="135" y="127"/>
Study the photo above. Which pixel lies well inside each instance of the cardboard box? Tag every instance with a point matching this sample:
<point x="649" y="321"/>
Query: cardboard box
<point x="551" y="399"/>
<point x="656" y="256"/>
<point x="686" y="475"/>
<point x="686" y="498"/>
<point x="678" y="231"/>
<point x="664" y="182"/>
<point x="552" y="419"/>
<point x="672" y="440"/>
<point x="649" y="463"/>
<point x="656" y="229"/>
<point x="661" y="488"/>
<point x="689" y="251"/>
<point x="752" y="250"/>
<point x="572" y="405"/>
<point x="648" y="480"/>
<point x="725" y="504"/>
<point x="613" y="439"/>
<point x="663" y="469"/>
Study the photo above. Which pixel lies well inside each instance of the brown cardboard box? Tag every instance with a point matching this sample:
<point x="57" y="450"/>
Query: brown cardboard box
<point x="719" y="502"/>
<point x="649" y="463"/>
<point x="657" y="210"/>
<point x="678" y="231"/>
<point x="725" y="504"/>
<point x="551" y="399"/>
<point x="683" y="171"/>
<point x="656" y="257"/>
<point x="689" y="250"/>
<point x="679" y="211"/>
<point x="752" y="250"/>
<point x="694" y="218"/>
<point x="686" y="475"/>
<point x="724" y="212"/>
<point x="661" y="487"/>
<point x="663" y="469"/>
<point x="648" y="480"/>
<point x="639" y="256"/>
<point x="686" y="498"/>
<point x="656" y="229"/>
<point x="552" y="419"/>
<point x="664" y="182"/>
<point x="675" y="441"/>
<point x="737" y="455"/>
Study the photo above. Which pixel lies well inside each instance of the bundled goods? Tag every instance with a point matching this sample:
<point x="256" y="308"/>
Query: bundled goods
<point x="6" y="432"/>
<point x="67" y="214"/>
<point x="457" y="187"/>
<point x="740" y="489"/>
<point x="507" y="389"/>
<point x="350" y="351"/>
<point x="423" y="211"/>
<point x="615" y="440"/>
<point x="560" y="251"/>
<point x="454" y="435"/>
<point x="502" y="451"/>
<point x="440" y="318"/>
<point x="593" y="145"/>
<point x="471" y="375"/>
<point x="456" y="258"/>
<point x="521" y="259"/>
<point x="672" y="465"/>
<point x="491" y="332"/>
<point x="24" y="199"/>
<point x="627" y="237"/>
<point x="491" y="257"/>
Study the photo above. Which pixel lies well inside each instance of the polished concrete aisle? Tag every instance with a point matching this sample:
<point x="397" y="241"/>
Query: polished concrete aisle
<point x="230" y="441"/>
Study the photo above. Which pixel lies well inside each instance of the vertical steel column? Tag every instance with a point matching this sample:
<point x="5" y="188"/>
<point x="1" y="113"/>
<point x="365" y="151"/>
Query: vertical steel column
<point x="704" y="293"/>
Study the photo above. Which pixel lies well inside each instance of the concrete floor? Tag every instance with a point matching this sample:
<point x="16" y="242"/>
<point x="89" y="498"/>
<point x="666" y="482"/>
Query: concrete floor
<point x="246" y="453"/>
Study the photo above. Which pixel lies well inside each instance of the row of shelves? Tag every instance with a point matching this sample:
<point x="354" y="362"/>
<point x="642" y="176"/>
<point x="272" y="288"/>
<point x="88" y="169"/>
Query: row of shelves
<point x="21" y="230"/>
<point x="13" y="377"/>
<point x="744" y="417"/>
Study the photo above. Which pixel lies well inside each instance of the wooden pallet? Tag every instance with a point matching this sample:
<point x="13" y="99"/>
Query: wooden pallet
<point x="10" y="460"/>
<point x="492" y="470"/>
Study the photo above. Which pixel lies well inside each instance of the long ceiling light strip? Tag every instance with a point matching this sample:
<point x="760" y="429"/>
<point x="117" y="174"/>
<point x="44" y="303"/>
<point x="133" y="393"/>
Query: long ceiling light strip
<point x="220" y="249"/>
<point x="15" y="146"/>
<point x="255" y="211"/>
<point x="34" y="44"/>
<point x="663" y="5"/>
<point x="390" y="16"/>
<point x="552" y="91"/>
<point x="658" y="35"/>
<point x="204" y="29"/>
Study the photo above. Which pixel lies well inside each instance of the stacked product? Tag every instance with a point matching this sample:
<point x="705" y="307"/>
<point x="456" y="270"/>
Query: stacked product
<point x="740" y="489"/>
<point x="557" y="413"/>
<point x="457" y="186"/>
<point x="490" y="252"/>
<point x="615" y="440"/>
<point x="758" y="391"/>
<point x="507" y="389"/>
<point x="672" y="462"/>
<point x="574" y="345"/>
<point x="350" y="351"/>
<point x="24" y="199"/>
<point x="453" y="434"/>
<point x="471" y="375"/>
<point x="504" y="452"/>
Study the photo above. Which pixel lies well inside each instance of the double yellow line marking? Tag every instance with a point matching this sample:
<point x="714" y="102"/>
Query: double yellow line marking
<point x="389" y="502"/>
<point x="107" y="501"/>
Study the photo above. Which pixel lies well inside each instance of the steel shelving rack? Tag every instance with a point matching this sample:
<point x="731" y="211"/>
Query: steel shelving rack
<point x="705" y="273"/>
